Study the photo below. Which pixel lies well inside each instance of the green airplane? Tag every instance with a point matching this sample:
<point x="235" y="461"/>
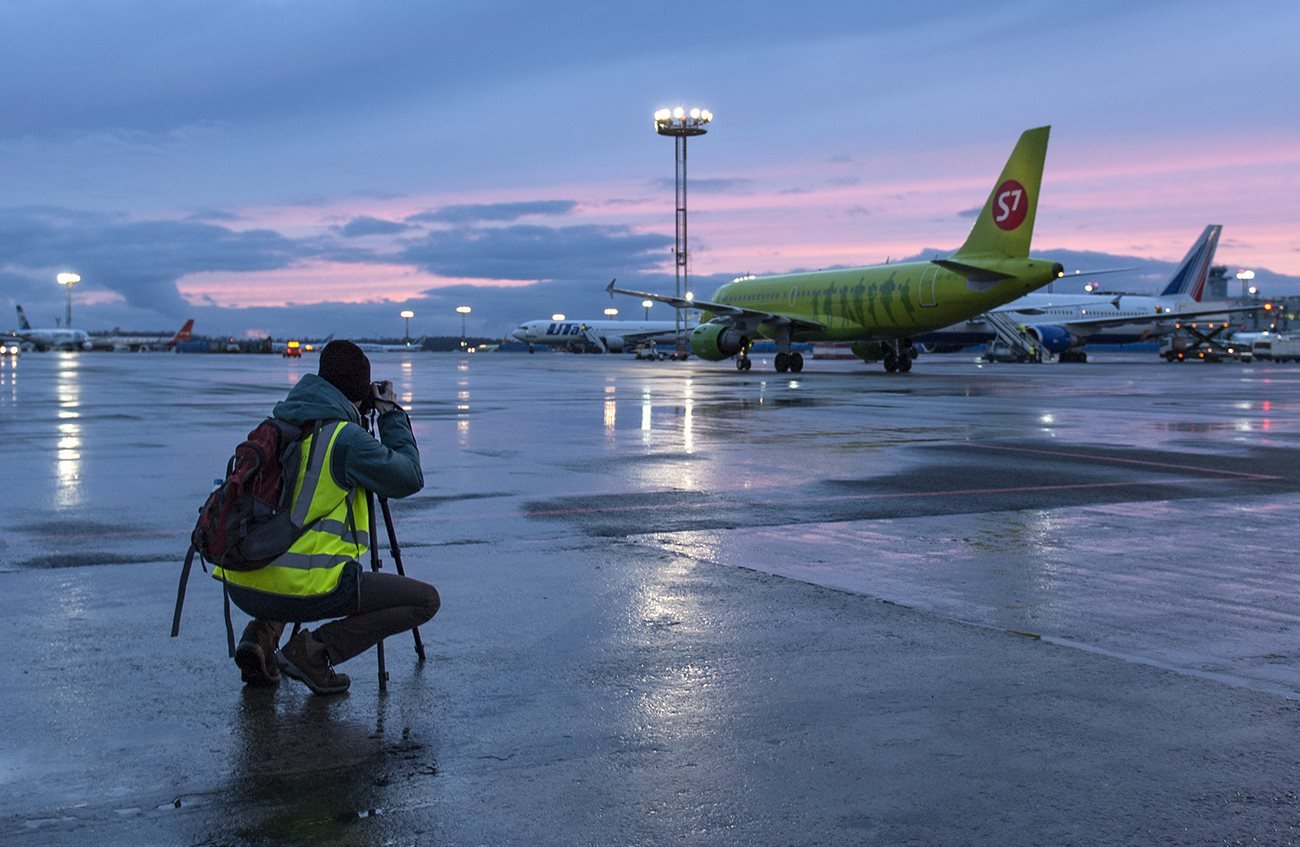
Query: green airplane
<point x="879" y="308"/>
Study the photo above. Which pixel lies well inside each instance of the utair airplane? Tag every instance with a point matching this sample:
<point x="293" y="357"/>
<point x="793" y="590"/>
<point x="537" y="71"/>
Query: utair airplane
<point x="143" y="342"/>
<point x="607" y="336"/>
<point x="49" y="339"/>
<point x="1063" y="323"/>
<point x="881" y="308"/>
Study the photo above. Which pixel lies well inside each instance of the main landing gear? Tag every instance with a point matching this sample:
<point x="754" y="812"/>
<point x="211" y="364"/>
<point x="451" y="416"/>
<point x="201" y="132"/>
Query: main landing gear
<point x="792" y="362"/>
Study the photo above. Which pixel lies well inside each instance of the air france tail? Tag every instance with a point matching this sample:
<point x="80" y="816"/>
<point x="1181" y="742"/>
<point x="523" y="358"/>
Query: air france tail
<point x="1188" y="281"/>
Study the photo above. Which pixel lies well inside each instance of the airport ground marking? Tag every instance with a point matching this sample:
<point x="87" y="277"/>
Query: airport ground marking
<point x="1119" y="460"/>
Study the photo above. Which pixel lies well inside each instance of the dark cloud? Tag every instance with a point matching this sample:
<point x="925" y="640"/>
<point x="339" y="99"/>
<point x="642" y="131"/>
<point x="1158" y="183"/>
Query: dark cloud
<point x="537" y="252"/>
<point x="493" y="212"/>
<point x="364" y="225"/>
<point x="139" y="260"/>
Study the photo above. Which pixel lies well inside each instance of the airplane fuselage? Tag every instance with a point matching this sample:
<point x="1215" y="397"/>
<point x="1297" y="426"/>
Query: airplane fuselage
<point x="55" y="339"/>
<point x="881" y="302"/>
<point x="1062" y="309"/>
<point x="611" y="333"/>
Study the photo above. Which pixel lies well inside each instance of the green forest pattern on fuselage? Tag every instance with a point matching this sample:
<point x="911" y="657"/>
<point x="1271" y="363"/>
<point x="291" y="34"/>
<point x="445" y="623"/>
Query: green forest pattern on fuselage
<point x="879" y="302"/>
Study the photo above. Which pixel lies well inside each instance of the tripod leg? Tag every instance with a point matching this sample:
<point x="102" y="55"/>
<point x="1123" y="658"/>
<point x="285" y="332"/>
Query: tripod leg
<point x="374" y="566"/>
<point x="397" y="558"/>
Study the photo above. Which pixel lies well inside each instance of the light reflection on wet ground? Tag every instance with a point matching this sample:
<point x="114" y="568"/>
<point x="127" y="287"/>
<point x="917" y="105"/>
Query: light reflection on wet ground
<point x="1129" y="508"/>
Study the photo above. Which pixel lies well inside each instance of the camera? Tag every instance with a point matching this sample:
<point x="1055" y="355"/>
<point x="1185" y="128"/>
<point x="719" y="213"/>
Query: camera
<point x="377" y="391"/>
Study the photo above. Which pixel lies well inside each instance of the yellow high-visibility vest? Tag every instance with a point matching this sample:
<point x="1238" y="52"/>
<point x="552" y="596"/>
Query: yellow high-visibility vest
<point x="337" y="522"/>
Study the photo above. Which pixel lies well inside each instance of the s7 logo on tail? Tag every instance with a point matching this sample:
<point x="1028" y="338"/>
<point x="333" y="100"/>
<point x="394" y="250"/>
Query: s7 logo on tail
<point x="1009" y="205"/>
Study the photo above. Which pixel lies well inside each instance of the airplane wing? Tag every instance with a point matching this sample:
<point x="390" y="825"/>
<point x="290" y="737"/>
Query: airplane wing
<point x="738" y="313"/>
<point x="1155" y="317"/>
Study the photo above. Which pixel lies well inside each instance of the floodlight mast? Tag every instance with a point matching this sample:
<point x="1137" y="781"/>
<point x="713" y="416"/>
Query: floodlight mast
<point x="681" y="124"/>
<point x="69" y="280"/>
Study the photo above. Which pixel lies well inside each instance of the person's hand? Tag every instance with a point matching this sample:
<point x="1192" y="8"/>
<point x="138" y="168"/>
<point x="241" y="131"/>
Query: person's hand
<point x="385" y="397"/>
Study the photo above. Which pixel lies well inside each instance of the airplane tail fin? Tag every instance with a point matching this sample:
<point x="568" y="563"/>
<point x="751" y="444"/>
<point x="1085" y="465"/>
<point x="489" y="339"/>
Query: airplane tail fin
<point x="1188" y="281"/>
<point x="1006" y="222"/>
<point x="183" y="334"/>
<point x="22" y="319"/>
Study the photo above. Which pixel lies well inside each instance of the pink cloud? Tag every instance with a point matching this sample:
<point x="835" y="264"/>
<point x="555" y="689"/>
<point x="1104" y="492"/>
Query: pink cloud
<point x="317" y="282"/>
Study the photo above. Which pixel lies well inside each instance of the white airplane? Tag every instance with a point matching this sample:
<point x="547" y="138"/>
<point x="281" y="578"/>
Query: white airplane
<point x="376" y="347"/>
<point x="142" y="342"/>
<point x="605" y="335"/>
<point x="49" y="339"/>
<point x="1063" y="323"/>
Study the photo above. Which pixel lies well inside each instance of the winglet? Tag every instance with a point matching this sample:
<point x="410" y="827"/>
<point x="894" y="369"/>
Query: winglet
<point x="609" y="289"/>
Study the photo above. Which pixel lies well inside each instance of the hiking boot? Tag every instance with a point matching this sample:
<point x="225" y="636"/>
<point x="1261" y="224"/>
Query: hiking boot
<point x="304" y="658"/>
<point x="255" y="654"/>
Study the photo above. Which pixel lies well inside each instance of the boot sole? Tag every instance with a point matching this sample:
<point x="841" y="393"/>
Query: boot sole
<point x="252" y="666"/>
<point x="290" y="670"/>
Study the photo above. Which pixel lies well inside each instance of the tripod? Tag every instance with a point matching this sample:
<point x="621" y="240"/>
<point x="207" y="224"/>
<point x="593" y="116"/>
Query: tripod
<point x="376" y="563"/>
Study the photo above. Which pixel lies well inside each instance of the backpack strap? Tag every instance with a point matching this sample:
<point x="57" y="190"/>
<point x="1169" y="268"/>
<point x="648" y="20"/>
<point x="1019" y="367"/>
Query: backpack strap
<point x="230" y="628"/>
<point x="180" y="590"/>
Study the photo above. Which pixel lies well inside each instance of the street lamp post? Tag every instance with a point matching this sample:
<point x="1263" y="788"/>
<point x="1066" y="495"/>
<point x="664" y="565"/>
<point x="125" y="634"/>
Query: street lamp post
<point x="463" y="310"/>
<point x="1245" y="275"/>
<point x="681" y="124"/>
<point x="408" y="314"/>
<point x="69" y="280"/>
<point x="646" y="304"/>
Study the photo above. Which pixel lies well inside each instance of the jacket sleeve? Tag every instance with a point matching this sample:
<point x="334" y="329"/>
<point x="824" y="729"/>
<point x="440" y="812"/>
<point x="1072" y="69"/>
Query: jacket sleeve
<point x="388" y="466"/>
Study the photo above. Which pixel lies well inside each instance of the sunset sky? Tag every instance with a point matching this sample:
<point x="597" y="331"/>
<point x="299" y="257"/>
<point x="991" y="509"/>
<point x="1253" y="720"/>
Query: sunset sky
<point x="307" y="168"/>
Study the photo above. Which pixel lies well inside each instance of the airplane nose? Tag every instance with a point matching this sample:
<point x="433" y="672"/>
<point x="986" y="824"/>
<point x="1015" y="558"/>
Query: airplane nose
<point x="520" y="335"/>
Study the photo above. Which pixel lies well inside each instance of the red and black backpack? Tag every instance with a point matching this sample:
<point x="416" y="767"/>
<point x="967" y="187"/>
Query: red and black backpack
<point x="247" y="521"/>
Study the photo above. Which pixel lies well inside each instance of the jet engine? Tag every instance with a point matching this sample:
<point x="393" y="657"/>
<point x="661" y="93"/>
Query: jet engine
<point x="613" y="344"/>
<point x="1053" y="338"/>
<point x="716" y="341"/>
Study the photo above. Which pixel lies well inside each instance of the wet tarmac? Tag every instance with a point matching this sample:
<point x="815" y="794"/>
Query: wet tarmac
<point x="986" y="605"/>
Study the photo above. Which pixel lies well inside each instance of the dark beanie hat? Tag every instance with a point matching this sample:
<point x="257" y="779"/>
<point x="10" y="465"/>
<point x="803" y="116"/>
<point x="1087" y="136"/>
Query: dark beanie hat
<point x="343" y="365"/>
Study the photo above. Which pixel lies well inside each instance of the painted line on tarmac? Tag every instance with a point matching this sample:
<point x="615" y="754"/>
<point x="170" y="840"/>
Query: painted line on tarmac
<point x="1117" y="460"/>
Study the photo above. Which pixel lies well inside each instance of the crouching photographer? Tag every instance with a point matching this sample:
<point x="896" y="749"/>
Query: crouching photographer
<point x="321" y="576"/>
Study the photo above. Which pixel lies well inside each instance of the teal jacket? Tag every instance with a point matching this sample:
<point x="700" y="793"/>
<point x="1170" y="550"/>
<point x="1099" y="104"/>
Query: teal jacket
<point x="389" y="466"/>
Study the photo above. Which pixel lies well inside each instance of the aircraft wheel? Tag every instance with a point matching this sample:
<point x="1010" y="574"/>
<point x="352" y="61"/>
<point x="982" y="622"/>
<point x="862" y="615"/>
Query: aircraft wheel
<point x="891" y="363"/>
<point x="740" y="364"/>
<point x="782" y="362"/>
<point x="904" y="364"/>
<point x="796" y="362"/>
<point x="749" y="363"/>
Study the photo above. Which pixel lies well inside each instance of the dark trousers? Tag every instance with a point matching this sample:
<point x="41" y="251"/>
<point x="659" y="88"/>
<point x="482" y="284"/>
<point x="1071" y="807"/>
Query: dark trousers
<point x="380" y="605"/>
<point x="388" y="604"/>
